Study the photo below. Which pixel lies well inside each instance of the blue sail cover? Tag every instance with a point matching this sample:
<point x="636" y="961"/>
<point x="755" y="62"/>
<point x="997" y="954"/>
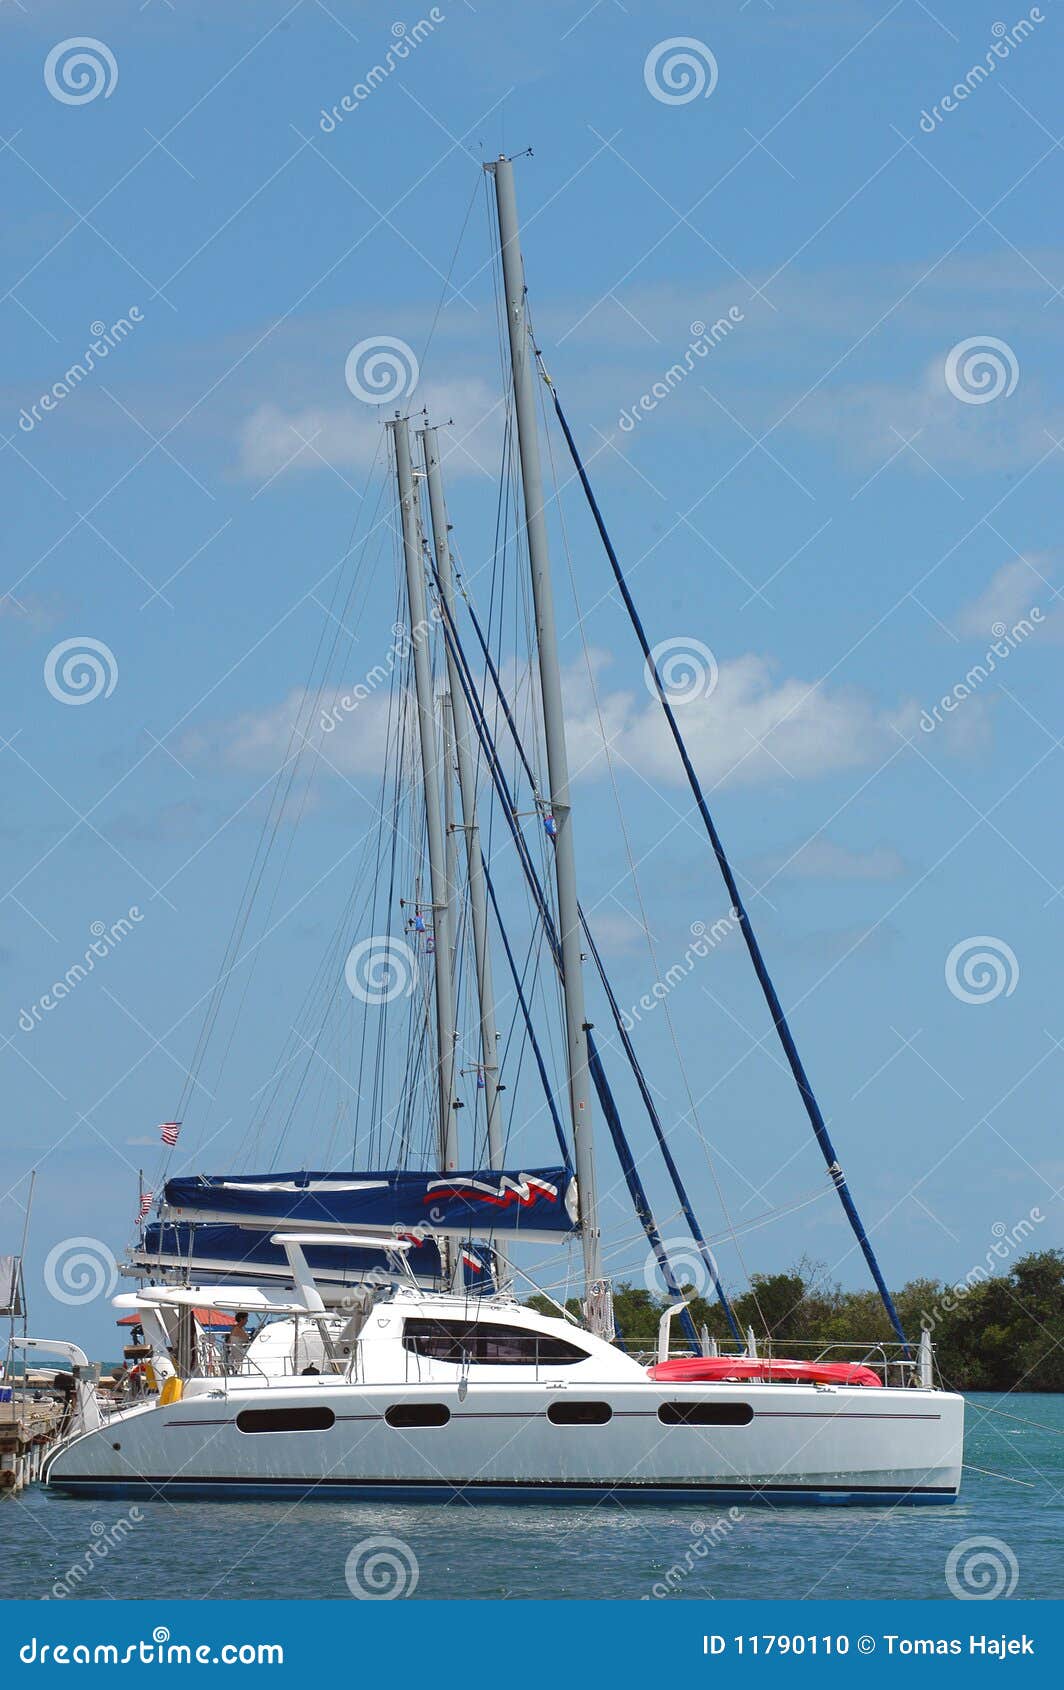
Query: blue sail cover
<point x="539" y="1203"/>
<point x="239" y="1253"/>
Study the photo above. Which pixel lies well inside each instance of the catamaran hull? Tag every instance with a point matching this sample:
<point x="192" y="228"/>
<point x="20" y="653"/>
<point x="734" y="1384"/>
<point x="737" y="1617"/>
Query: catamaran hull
<point x="799" y="1444"/>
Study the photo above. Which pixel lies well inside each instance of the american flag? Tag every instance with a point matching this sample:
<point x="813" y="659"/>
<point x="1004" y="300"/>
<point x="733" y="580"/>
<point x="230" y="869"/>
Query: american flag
<point x="169" y="1131"/>
<point x="146" y="1200"/>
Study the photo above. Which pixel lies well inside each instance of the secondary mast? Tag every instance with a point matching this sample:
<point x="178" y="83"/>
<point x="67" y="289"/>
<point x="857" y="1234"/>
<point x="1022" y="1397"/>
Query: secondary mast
<point x="430" y="766"/>
<point x="597" y="1297"/>
<point x="489" y="1037"/>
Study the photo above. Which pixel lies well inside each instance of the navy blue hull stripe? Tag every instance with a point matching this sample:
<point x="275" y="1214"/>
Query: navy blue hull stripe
<point x="507" y="1487"/>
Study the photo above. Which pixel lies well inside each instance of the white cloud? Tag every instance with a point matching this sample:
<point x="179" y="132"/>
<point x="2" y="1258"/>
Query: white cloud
<point x="752" y="729"/>
<point x="351" y="734"/>
<point x="825" y="859"/>
<point x="872" y="421"/>
<point x="1017" y="588"/>
<point x="274" y="440"/>
<point x="617" y="932"/>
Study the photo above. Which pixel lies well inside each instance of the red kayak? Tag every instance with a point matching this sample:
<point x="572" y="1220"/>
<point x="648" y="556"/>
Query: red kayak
<point x="695" y="1370"/>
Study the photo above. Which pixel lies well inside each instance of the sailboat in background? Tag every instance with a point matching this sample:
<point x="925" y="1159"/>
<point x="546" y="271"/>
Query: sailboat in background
<point x="391" y="1352"/>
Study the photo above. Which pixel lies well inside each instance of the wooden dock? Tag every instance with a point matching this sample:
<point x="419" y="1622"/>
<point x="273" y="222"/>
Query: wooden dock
<point x="26" y="1430"/>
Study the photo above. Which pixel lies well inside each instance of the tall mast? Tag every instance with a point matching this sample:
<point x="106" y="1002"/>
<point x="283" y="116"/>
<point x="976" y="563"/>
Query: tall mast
<point x="467" y="787"/>
<point x="597" y="1298"/>
<point x="449" y="825"/>
<point x="430" y="766"/>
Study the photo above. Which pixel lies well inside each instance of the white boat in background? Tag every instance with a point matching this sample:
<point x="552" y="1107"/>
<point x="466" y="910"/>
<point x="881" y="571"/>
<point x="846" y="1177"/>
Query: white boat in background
<point x="391" y="1355"/>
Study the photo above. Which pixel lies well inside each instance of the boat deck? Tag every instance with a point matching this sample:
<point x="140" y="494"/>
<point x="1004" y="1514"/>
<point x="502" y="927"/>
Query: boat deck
<point x="27" y="1429"/>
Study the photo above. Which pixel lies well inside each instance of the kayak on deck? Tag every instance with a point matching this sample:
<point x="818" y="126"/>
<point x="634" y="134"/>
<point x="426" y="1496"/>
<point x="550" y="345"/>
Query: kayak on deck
<point x="691" y="1370"/>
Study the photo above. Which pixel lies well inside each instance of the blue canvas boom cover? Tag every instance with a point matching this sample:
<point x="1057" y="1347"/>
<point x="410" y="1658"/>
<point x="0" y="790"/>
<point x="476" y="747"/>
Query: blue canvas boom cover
<point x="241" y="1253"/>
<point x="540" y="1203"/>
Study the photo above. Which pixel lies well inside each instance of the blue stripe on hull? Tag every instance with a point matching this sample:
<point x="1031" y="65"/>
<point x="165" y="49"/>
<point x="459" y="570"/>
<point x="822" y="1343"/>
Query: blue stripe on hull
<point x="490" y="1491"/>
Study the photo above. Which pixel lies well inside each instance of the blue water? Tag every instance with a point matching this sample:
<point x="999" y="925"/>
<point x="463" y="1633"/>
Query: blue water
<point x="234" y="1550"/>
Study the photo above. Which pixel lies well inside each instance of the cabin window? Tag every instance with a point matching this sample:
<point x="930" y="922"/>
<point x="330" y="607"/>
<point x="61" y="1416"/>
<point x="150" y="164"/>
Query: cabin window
<point x="489" y="1343"/>
<point x="579" y="1413"/>
<point x="285" y="1419"/>
<point x="705" y="1414"/>
<point x="403" y="1414"/>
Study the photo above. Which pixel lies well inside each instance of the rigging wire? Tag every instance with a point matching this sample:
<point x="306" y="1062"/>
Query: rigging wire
<point x="779" y="1020"/>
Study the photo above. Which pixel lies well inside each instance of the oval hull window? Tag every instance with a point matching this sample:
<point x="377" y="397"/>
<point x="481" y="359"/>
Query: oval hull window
<point x="406" y="1414"/>
<point x="705" y="1414"/>
<point x="579" y="1413"/>
<point x="285" y="1419"/>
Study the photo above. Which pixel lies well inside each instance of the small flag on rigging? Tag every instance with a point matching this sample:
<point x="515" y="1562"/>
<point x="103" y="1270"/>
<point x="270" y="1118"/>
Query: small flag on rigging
<point x="169" y="1131"/>
<point x="146" y="1199"/>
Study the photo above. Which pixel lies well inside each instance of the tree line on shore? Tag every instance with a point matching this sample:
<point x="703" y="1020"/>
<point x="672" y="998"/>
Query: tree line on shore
<point x="992" y="1332"/>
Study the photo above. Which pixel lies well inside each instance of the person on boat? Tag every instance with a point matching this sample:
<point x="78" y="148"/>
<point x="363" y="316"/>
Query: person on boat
<point x="237" y="1340"/>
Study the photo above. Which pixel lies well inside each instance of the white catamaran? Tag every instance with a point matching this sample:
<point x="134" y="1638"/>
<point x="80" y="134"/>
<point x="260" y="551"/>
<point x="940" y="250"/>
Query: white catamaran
<point x="390" y="1353"/>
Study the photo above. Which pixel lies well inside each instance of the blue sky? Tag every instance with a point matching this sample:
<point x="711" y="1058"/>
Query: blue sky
<point x="828" y="501"/>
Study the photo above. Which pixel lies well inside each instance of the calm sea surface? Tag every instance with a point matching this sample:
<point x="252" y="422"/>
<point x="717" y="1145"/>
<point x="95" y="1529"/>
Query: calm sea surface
<point x="235" y="1550"/>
